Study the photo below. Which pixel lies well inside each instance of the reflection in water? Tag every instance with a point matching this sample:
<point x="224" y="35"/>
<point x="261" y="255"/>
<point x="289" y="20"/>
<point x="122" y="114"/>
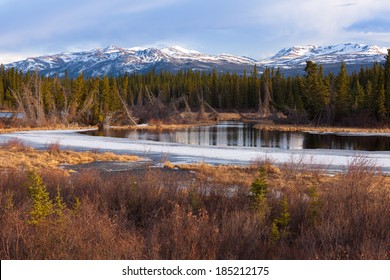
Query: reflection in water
<point x="346" y="142"/>
<point x="221" y="135"/>
<point x="244" y="135"/>
<point x="237" y="134"/>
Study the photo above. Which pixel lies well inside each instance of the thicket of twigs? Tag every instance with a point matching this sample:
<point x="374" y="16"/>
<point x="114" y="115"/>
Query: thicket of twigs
<point x="265" y="213"/>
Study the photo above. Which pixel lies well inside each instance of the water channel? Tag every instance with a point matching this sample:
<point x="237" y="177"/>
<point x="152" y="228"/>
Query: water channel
<point x="238" y="134"/>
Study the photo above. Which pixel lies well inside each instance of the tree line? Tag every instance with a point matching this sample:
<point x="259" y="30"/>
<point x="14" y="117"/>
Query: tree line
<point x="360" y="98"/>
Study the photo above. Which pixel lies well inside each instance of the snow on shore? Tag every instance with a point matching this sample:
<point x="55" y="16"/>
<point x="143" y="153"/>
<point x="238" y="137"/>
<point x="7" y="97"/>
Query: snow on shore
<point x="70" y="139"/>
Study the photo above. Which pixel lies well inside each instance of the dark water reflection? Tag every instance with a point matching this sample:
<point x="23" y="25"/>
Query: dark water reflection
<point x="245" y="135"/>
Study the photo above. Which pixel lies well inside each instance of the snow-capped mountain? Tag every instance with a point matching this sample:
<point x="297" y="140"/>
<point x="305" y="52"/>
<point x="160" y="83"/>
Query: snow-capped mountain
<point x="297" y="56"/>
<point x="115" y="61"/>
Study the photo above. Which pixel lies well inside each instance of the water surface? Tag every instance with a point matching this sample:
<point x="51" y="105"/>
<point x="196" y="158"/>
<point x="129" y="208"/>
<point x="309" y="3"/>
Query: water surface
<point x="238" y="134"/>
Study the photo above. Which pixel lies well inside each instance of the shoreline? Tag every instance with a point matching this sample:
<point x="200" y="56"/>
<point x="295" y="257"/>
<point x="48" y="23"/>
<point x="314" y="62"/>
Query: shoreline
<point x="259" y="124"/>
<point x="177" y="153"/>
<point x="320" y="129"/>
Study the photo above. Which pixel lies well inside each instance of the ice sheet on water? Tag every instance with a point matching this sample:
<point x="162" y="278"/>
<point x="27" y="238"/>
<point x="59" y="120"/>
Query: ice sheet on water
<point x="71" y="139"/>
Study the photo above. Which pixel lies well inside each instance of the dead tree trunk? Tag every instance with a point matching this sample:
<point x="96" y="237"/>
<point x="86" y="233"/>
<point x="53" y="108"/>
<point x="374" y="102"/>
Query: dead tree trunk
<point x="127" y="110"/>
<point x="264" y="108"/>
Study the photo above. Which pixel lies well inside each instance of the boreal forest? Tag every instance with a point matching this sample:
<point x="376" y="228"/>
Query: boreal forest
<point x="352" y="99"/>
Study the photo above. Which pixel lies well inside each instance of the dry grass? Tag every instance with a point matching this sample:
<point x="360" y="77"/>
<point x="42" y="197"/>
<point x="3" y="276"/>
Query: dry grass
<point x="220" y="174"/>
<point x="51" y="127"/>
<point x="158" y="125"/>
<point x="298" y="128"/>
<point x="155" y="124"/>
<point x="16" y="155"/>
<point x="228" y="174"/>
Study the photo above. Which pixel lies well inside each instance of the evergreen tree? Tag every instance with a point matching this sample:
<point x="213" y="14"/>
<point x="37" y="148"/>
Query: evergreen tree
<point x="254" y="88"/>
<point x="105" y="95"/>
<point x="114" y="101"/>
<point x="290" y="103"/>
<point x="387" y="83"/>
<point x="381" y="107"/>
<point x="278" y="88"/>
<point x="41" y="205"/>
<point x="2" y="92"/>
<point x="315" y="92"/>
<point x="244" y="91"/>
<point x="342" y="98"/>
<point x="359" y="97"/>
<point x="48" y="100"/>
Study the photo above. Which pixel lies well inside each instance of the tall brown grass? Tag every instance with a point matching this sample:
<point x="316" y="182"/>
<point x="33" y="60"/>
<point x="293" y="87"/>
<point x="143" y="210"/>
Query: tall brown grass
<point x="170" y="214"/>
<point x="16" y="154"/>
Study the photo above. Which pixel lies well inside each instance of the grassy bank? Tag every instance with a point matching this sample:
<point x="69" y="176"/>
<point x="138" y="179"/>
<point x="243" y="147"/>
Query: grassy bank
<point x="14" y="154"/>
<point x="258" y="212"/>
<point x="328" y="129"/>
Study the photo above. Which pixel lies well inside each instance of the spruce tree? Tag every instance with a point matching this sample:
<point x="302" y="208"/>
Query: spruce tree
<point x="387" y="82"/>
<point x="105" y="95"/>
<point x="342" y="98"/>
<point x="315" y="92"/>
<point x="381" y="107"/>
<point x="1" y="92"/>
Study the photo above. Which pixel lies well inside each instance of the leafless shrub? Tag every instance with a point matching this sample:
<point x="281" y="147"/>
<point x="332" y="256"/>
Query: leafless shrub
<point x="54" y="147"/>
<point x="167" y="214"/>
<point x="16" y="144"/>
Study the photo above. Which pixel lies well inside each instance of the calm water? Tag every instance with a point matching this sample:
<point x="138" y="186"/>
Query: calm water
<point x="244" y="135"/>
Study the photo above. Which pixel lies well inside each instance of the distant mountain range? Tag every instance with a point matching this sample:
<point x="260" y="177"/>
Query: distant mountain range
<point x="293" y="60"/>
<point x="116" y="61"/>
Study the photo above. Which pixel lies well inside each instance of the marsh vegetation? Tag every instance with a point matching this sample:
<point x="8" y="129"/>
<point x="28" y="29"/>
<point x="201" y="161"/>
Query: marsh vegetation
<point x="195" y="212"/>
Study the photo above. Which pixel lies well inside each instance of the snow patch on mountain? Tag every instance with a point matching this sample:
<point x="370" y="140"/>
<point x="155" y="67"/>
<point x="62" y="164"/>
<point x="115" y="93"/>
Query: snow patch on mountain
<point x="115" y="61"/>
<point x="349" y="53"/>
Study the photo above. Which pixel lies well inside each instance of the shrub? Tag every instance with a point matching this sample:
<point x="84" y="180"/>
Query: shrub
<point x="166" y="214"/>
<point x="41" y="204"/>
<point x="54" y="147"/>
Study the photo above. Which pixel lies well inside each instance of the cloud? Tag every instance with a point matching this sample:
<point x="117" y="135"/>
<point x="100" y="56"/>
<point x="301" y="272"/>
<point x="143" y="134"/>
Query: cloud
<point x="315" y="22"/>
<point x="376" y="25"/>
<point x="42" y="25"/>
<point x="346" y="4"/>
<point x="253" y="27"/>
<point x="8" y="57"/>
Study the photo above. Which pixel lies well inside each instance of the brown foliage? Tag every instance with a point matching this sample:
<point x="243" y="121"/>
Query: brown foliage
<point x="175" y="214"/>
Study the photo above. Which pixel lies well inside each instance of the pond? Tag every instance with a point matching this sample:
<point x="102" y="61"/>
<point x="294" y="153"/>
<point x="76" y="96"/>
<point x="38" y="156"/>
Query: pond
<point x="238" y="134"/>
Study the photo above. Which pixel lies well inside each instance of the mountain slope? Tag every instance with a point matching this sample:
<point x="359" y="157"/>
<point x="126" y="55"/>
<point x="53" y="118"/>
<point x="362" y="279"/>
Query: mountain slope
<point x="352" y="54"/>
<point x="116" y="61"/>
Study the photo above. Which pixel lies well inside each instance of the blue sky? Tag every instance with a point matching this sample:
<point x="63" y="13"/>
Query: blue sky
<point x="254" y="28"/>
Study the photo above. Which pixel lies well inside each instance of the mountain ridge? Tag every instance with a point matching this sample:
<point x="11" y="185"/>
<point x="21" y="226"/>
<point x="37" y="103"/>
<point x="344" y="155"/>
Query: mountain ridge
<point x="298" y="55"/>
<point x="115" y="61"/>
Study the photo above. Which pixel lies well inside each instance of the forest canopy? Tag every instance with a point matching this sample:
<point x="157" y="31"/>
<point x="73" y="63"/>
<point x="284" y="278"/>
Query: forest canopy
<point x="358" y="99"/>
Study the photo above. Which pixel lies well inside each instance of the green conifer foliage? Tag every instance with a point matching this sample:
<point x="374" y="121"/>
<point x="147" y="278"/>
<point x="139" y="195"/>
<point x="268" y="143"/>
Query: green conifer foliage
<point x="41" y="205"/>
<point x="342" y="100"/>
<point x="381" y="106"/>
<point x="259" y="193"/>
<point x="387" y="83"/>
<point x="315" y="92"/>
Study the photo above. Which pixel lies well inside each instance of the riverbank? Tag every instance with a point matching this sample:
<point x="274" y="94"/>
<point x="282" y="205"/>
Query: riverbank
<point x="16" y="155"/>
<point x="46" y="127"/>
<point x="331" y="160"/>
<point x="320" y="129"/>
<point x="259" y="124"/>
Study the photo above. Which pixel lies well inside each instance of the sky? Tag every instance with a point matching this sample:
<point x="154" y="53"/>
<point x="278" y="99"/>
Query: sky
<point x="253" y="28"/>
